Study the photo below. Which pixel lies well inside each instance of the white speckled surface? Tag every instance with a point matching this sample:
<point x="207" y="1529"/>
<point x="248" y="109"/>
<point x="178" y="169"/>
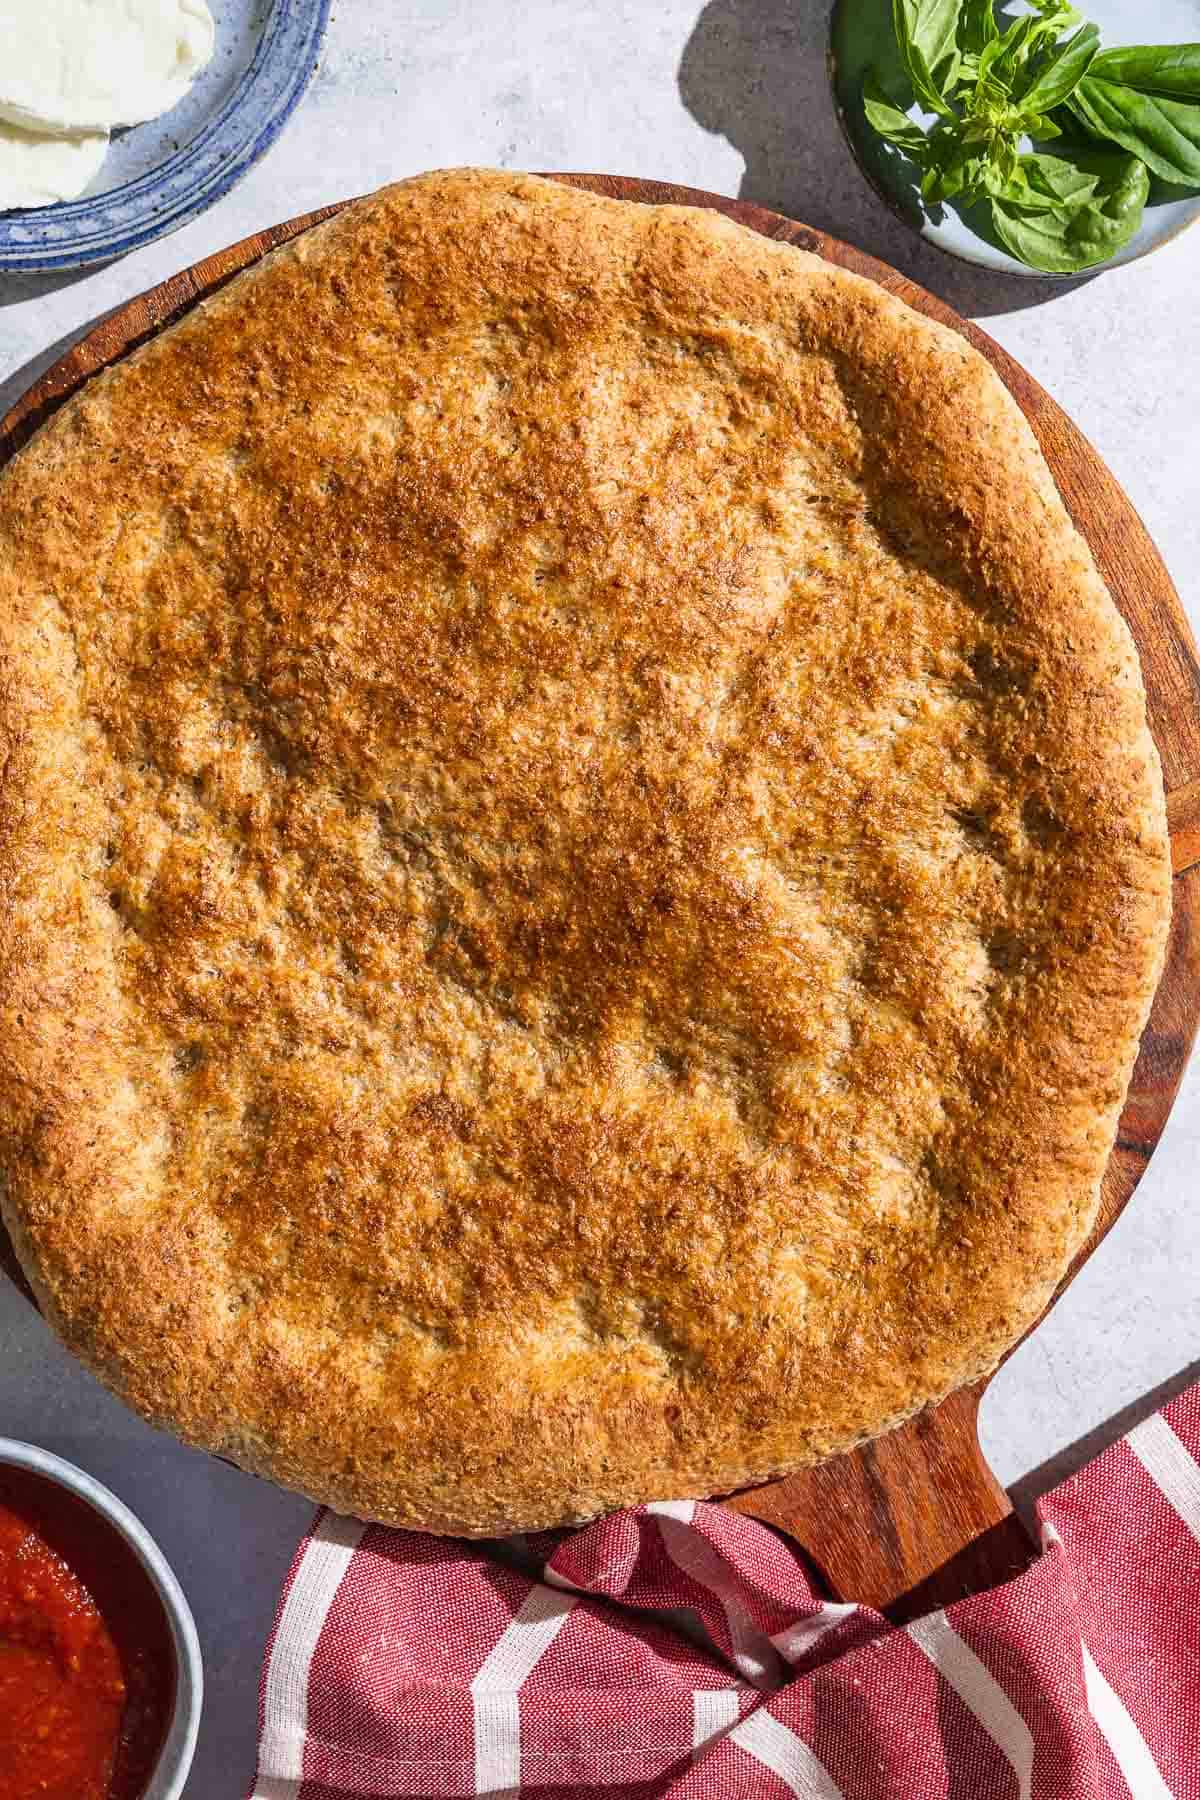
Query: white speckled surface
<point x="732" y="98"/>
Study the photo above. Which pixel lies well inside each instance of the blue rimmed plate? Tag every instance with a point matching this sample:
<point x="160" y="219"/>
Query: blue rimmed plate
<point x="159" y="175"/>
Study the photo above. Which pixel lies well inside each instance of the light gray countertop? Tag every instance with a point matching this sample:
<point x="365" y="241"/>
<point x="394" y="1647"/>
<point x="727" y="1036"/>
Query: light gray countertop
<point x="732" y="98"/>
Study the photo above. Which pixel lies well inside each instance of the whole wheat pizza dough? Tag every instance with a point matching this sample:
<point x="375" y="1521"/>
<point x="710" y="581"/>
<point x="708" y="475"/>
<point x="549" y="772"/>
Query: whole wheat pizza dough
<point x="581" y="862"/>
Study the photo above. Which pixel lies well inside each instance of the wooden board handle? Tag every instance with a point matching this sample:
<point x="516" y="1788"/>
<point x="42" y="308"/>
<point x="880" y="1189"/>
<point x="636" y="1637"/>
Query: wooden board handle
<point x="887" y="1526"/>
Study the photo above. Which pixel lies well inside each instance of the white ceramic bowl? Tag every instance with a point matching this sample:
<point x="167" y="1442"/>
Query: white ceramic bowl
<point x="179" y="1744"/>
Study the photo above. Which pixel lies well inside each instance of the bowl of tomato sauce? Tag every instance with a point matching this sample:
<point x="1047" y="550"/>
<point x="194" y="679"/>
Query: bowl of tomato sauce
<point x="101" y="1682"/>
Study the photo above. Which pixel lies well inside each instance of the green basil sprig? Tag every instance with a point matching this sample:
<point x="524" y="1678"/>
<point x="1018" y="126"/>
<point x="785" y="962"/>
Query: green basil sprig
<point x="989" y="91"/>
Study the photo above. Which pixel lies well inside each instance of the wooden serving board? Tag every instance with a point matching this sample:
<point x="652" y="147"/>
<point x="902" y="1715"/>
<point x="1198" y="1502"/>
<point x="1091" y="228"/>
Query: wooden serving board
<point x="916" y="1519"/>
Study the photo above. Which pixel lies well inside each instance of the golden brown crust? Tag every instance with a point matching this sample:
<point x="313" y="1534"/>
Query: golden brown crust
<point x="580" y="855"/>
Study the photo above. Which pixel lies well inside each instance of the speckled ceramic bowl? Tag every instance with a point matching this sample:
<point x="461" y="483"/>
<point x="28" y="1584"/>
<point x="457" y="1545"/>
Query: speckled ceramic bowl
<point x="179" y="1744"/>
<point x="159" y="175"/>
<point x="861" y="37"/>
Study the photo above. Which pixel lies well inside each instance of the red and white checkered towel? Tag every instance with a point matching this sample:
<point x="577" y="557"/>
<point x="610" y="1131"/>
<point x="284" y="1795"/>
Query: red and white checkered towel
<point x="404" y="1665"/>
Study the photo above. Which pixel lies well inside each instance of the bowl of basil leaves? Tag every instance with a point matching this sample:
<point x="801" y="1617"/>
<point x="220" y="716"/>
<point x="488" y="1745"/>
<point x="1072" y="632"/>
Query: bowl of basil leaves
<point x="1027" y="137"/>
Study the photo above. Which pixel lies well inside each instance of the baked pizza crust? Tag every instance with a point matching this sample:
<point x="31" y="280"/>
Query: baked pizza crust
<point x="581" y="861"/>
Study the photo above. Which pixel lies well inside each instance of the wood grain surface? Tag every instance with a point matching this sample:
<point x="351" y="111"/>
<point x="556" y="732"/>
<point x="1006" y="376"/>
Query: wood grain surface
<point x="917" y="1518"/>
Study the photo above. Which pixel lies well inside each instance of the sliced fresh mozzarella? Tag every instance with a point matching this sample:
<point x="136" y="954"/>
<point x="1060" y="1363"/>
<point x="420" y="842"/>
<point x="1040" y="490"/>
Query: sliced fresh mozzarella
<point x="36" y="170"/>
<point x="90" y="65"/>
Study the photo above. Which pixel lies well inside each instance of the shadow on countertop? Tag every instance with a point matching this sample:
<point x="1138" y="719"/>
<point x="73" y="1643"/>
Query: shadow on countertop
<point x="755" y="72"/>
<point x="1067" y="1462"/>
<point x="19" y="285"/>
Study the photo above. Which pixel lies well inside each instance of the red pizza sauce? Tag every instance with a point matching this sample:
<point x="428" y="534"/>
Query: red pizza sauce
<point x="86" y="1665"/>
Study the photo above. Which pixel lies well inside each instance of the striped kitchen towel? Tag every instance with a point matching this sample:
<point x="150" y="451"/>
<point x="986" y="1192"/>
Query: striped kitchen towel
<point x="679" y="1650"/>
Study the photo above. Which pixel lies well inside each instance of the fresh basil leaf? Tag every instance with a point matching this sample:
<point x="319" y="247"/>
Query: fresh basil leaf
<point x="924" y="86"/>
<point x="1022" y="199"/>
<point x="1043" y="241"/>
<point x="1081" y="231"/>
<point x="1003" y="159"/>
<point x="958" y="169"/>
<point x="958" y="178"/>
<point x="1062" y="72"/>
<point x="1164" y="133"/>
<point x="1010" y="52"/>
<point x="1056" y="16"/>
<point x="885" y="117"/>
<point x="989" y="56"/>
<point x="977" y="128"/>
<point x="977" y="26"/>
<point x="931" y="27"/>
<point x="1172" y="69"/>
<point x="914" y="26"/>
<point x="1006" y="59"/>
<point x="1019" y="191"/>
<point x="1058" y="179"/>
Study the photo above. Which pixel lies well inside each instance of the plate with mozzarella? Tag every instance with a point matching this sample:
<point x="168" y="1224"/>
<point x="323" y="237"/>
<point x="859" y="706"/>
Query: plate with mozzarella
<point x="122" y="119"/>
